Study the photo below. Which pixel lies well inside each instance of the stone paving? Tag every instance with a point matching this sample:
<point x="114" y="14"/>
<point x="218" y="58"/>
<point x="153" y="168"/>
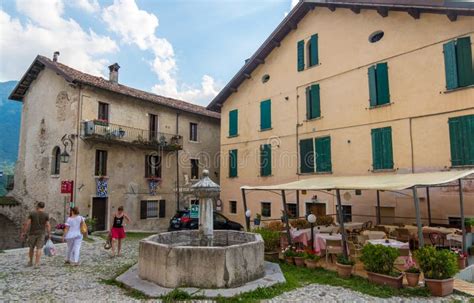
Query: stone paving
<point x="56" y="282"/>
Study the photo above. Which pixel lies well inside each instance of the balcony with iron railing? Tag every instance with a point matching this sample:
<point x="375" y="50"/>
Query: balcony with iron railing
<point x="103" y="131"/>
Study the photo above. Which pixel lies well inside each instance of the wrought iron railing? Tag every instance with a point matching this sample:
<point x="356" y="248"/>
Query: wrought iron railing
<point x="106" y="131"/>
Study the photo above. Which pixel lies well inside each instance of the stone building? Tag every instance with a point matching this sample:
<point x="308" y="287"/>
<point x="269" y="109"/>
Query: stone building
<point x="118" y="145"/>
<point x="347" y="88"/>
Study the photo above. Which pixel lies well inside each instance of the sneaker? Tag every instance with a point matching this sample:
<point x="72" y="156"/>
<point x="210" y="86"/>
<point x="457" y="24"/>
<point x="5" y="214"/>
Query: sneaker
<point x="29" y="264"/>
<point x="67" y="262"/>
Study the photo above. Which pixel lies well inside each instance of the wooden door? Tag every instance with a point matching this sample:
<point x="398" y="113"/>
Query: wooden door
<point x="387" y="215"/>
<point x="99" y="211"/>
<point x="317" y="209"/>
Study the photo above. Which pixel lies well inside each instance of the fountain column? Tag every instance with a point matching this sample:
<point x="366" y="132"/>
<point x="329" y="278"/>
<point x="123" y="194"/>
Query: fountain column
<point x="206" y="190"/>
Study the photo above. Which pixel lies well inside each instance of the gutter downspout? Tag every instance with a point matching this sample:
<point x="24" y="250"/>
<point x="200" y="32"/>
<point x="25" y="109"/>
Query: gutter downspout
<point x="177" y="164"/>
<point x="78" y="126"/>
<point x="412" y="148"/>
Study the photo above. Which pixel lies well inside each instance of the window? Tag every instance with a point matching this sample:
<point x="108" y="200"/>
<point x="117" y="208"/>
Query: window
<point x="153" y="126"/>
<point x="101" y="162"/>
<point x="323" y="154"/>
<point x="458" y="63"/>
<point x="152" y="209"/>
<point x="266" y="209"/>
<point x="382" y="154"/>
<point x="233" y="123"/>
<point x="306" y="156"/>
<point x="193" y="132"/>
<point x="454" y="222"/>
<point x="300" y="54"/>
<point x="376" y="36"/>
<point x="233" y="163"/>
<point x="346" y="213"/>
<point x="103" y="111"/>
<point x="265" y="160"/>
<point x="152" y="166"/>
<point x="313" y="51"/>
<point x="313" y="102"/>
<point x="461" y="137"/>
<point x="56" y="161"/>
<point x="194" y="168"/>
<point x="233" y="207"/>
<point x="358" y="192"/>
<point x="265" y="78"/>
<point x="378" y="85"/>
<point x="292" y="212"/>
<point x="266" y="114"/>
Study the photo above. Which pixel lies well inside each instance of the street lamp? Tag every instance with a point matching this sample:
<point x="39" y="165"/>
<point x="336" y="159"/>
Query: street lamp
<point x="248" y="213"/>
<point x="64" y="156"/>
<point x="312" y="219"/>
<point x="67" y="141"/>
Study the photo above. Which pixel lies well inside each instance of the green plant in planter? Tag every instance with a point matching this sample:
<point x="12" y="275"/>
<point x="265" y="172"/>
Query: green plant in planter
<point x="343" y="260"/>
<point x="288" y="252"/>
<point x="437" y="264"/>
<point x="310" y="256"/>
<point x="271" y="238"/>
<point x="380" y="259"/>
<point x="300" y="223"/>
<point x="324" y="220"/>
<point x="299" y="254"/>
<point x="91" y="222"/>
<point x="413" y="270"/>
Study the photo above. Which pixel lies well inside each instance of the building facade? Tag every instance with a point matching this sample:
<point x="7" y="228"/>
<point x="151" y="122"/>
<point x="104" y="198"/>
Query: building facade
<point x="347" y="88"/>
<point x="124" y="147"/>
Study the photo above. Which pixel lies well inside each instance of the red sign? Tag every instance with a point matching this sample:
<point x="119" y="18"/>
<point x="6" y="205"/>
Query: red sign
<point x="66" y="187"/>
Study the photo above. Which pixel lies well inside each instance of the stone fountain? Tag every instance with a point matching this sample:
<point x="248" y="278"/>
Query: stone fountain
<point x="202" y="258"/>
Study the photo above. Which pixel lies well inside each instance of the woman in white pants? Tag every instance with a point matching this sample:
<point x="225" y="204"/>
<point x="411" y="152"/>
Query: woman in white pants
<point x="73" y="236"/>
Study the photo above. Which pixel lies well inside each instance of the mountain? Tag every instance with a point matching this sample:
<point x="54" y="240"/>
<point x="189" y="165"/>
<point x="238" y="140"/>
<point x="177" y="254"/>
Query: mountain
<point x="10" y="119"/>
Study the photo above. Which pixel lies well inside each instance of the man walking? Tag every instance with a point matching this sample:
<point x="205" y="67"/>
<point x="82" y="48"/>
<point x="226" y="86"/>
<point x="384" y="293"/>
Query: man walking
<point x="36" y="226"/>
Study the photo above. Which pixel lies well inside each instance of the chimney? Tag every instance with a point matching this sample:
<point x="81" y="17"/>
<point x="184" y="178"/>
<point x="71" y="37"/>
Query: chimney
<point x="55" y="56"/>
<point x="113" y="75"/>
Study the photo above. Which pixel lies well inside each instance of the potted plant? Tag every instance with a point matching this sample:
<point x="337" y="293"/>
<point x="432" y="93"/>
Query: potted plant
<point x="325" y="220"/>
<point x="439" y="268"/>
<point x="299" y="258"/>
<point x="462" y="257"/>
<point x="412" y="273"/>
<point x="311" y="259"/>
<point x="379" y="262"/>
<point x="300" y="224"/>
<point x="344" y="266"/>
<point x="257" y="219"/>
<point x="90" y="222"/>
<point x="271" y="240"/>
<point x="289" y="254"/>
<point x="469" y="224"/>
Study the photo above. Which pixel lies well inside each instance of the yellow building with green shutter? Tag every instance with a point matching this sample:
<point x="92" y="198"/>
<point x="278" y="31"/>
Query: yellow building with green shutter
<point x="347" y="88"/>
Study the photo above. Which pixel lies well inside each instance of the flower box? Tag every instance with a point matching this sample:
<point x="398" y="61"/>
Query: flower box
<point x="395" y="282"/>
<point x="440" y="288"/>
<point x="344" y="271"/>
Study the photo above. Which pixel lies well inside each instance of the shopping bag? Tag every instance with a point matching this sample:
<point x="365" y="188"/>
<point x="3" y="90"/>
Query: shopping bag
<point x="49" y="249"/>
<point x="83" y="228"/>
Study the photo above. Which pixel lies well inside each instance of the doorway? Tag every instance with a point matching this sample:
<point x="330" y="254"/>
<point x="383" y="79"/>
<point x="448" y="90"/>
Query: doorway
<point x="99" y="211"/>
<point x="316" y="208"/>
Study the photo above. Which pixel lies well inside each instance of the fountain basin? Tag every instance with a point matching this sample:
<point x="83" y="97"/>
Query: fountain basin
<point x="176" y="259"/>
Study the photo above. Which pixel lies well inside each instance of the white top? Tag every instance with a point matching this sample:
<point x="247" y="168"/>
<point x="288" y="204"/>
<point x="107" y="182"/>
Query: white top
<point x="74" y="225"/>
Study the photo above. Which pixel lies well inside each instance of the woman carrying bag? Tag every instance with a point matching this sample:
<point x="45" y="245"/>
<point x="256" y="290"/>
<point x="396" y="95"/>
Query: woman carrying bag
<point x="73" y="233"/>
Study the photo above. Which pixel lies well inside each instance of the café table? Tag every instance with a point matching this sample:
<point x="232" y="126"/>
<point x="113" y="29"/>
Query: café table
<point x="301" y="236"/>
<point x="374" y="234"/>
<point x="320" y="241"/>
<point x="390" y="243"/>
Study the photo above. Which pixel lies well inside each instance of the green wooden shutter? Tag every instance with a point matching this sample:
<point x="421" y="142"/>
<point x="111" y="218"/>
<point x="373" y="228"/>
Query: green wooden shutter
<point x="461" y="136"/>
<point x="300" y="51"/>
<point x="265" y="159"/>
<point x="464" y="61"/>
<point x="313" y="56"/>
<point x="308" y="102"/>
<point x="315" y="101"/>
<point x="233" y="163"/>
<point x="387" y="149"/>
<point x="383" y="91"/>
<point x="265" y="114"/>
<point x="450" y="65"/>
<point x="376" y="149"/>
<point x="143" y="209"/>
<point x="162" y="209"/>
<point x="469" y="139"/>
<point x="372" y="86"/>
<point x="306" y="156"/>
<point x="233" y="122"/>
<point x="455" y="141"/>
<point x="323" y="154"/>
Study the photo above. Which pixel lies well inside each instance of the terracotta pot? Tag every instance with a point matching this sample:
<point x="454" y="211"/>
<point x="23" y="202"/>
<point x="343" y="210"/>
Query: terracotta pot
<point x="271" y="256"/>
<point x="344" y="271"/>
<point x="311" y="264"/>
<point x="299" y="261"/>
<point x="290" y="260"/>
<point x="412" y="278"/>
<point x="461" y="263"/>
<point x="440" y="288"/>
<point x="395" y="282"/>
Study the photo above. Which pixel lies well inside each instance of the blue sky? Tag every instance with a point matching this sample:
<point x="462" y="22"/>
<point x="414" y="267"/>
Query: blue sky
<point x="186" y="49"/>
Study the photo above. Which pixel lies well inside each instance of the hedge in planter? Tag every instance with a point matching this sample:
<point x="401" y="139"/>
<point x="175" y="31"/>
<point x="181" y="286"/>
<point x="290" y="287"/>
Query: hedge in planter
<point x="379" y="262"/>
<point x="271" y="241"/>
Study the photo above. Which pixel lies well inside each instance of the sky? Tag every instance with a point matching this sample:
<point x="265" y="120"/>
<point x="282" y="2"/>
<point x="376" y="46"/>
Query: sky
<point x="186" y="49"/>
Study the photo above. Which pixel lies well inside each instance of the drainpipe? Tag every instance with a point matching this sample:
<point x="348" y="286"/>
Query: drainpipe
<point x="177" y="165"/>
<point x="78" y="126"/>
<point x="412" y="148"/>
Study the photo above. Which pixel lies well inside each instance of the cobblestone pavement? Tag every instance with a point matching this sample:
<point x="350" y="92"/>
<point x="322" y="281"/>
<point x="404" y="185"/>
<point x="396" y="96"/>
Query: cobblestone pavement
<point x="56" y="282"/>
<point x="324" y="293"/>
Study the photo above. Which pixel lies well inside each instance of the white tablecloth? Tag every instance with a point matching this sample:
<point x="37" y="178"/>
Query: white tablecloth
<point x="391" y="243"/>
<point x="374" y="234"/>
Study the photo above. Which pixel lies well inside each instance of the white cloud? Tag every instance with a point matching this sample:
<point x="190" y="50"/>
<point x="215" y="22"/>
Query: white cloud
<point x="90" y="6"/>
<point x="138" y="27"/>
<point x="292" y="4"/>
<point x="44" y="32"/>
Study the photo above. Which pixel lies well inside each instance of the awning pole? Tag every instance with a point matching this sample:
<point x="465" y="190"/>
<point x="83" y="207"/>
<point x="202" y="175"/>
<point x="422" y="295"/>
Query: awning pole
<point x="285" y="216"/>
<point x="428" y="204"/>
<point x="378" y="208"/>
<point x="418" y="218"/>
<point x="461" y="205"/>
<point x="341" y="223"/>
<point x="247" y="219"/>
<point x="297" y="203"/>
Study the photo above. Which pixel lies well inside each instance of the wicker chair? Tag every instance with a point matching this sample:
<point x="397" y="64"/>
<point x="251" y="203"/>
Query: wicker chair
<point x="333" y="247"/>
<point x="437" y="240"/>
<point x="403" y="234"/>
<point x="354" y="250"/>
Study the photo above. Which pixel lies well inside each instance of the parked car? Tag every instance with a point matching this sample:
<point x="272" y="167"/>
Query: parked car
<point x="182" y="220"/>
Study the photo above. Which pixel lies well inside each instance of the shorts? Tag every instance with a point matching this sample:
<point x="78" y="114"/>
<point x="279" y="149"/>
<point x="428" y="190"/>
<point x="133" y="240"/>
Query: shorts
<point x="36" y="241"/>
<point x="118" y="233"/>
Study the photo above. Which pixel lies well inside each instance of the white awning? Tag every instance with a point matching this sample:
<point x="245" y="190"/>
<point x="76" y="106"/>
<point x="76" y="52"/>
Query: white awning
<point x="374" y="182"/>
